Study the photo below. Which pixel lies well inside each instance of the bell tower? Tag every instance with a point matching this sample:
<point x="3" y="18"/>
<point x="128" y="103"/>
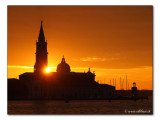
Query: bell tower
<point x="41" y="53"/>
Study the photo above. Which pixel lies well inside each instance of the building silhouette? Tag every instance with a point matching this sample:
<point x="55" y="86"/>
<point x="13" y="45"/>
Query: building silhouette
<point x="41" y="52"/>
<point x="62" y="84"/>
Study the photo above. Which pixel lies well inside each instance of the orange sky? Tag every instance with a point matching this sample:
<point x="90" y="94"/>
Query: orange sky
<point x="113" y="40"/>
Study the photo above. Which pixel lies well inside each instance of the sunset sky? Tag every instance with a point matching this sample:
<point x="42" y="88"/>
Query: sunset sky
<point x="114" y="41"/>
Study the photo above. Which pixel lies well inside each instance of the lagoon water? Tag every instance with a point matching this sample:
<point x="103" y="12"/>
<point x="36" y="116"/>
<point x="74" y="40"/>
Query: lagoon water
<point x="81" y="107"/>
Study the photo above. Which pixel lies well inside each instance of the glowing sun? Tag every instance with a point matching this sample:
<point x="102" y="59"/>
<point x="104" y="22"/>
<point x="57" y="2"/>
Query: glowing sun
<point x="47" y="69"/>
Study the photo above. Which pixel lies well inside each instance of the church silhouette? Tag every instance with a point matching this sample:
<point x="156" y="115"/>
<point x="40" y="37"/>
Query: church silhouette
<point x="59" y="85"/>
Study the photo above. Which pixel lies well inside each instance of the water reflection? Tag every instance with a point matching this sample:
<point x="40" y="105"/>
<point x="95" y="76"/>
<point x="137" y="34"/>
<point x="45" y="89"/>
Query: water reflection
<point x="78" y="107"/>
<point x="40" y="107"/>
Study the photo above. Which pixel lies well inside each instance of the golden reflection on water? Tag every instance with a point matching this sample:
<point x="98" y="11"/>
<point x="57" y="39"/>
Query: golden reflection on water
<point x="78" y="107"/>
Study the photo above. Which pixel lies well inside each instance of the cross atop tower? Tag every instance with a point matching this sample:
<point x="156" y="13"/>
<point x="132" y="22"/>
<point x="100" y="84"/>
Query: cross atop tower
<point x="63" y="59"/>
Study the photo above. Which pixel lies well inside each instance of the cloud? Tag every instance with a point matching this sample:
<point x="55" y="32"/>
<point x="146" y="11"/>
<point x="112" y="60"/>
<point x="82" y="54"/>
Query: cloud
<point x="97" y="59"/>
<point x="15" y="66"/>
<point x="18" y="66"/>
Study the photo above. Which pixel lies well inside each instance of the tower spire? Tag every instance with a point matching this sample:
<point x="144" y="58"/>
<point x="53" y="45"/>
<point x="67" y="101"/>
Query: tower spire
<point x="41" y="37"/>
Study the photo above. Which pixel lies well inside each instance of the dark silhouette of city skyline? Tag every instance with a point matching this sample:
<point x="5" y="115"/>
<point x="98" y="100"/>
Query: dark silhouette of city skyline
<point x="63" y="84"/>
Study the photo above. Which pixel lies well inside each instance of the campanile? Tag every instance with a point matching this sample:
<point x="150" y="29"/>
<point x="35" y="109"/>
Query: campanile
<point x="41" y="52"/>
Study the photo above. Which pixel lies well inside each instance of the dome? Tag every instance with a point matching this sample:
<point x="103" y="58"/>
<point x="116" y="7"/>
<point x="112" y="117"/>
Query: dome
<point x="63" y="66"/>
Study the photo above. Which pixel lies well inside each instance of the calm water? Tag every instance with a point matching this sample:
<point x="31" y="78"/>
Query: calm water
<point x="80" y="107"/>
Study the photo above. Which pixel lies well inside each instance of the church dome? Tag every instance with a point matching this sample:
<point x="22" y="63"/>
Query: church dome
<point x="63" y="66"/>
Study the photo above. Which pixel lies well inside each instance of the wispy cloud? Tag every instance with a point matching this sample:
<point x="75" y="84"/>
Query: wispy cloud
<point x="53" y="67"/>
<point x="18" y="66"/>
<point x="97" y="59"/>
<point x="15" y="66"/>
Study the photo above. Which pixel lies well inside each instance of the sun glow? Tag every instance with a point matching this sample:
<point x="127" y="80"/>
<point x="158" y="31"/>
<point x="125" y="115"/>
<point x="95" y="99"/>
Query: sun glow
<point x="47" y="70"/>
